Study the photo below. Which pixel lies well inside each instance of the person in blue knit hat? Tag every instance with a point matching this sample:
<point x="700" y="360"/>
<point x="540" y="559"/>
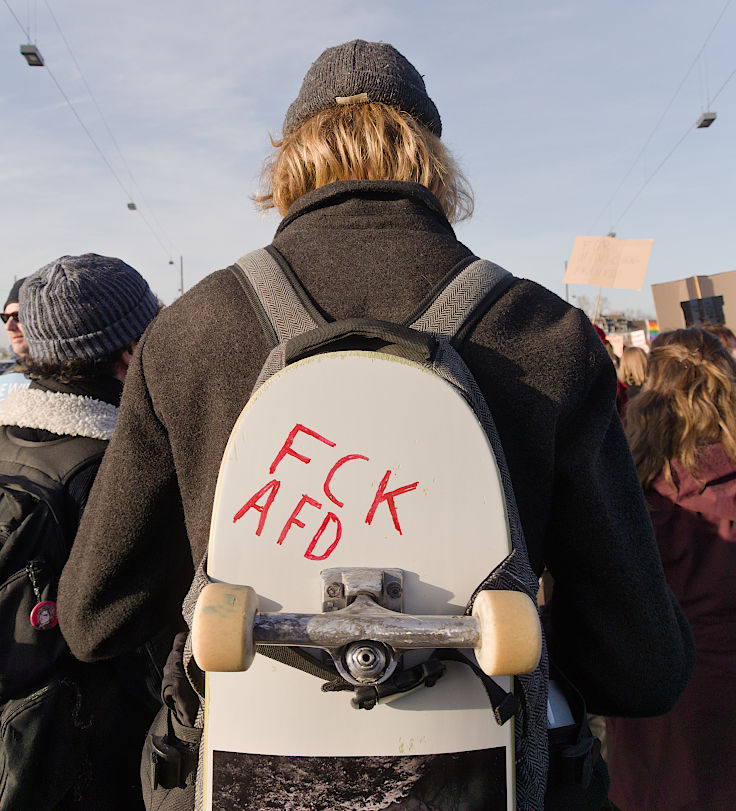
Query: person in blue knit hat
<point x="75" y="743"/>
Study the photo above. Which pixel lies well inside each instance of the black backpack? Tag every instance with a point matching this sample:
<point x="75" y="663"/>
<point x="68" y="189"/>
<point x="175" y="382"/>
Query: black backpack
<point x="34" y="546"/>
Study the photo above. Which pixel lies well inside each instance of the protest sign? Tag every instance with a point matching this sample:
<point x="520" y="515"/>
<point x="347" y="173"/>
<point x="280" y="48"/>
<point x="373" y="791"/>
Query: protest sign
<point x="609" y="262"/>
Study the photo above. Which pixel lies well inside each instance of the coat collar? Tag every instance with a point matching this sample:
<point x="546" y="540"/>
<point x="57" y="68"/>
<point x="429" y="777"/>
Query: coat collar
<point x="334" y="193"/>
<point x="59" y="413"/>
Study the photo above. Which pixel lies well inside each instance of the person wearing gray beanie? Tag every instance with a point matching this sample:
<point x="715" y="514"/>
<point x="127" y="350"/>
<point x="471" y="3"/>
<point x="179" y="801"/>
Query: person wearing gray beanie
<point x="82" y="317"/>
<point x="84" y="307"/>
<point x="368" y="195"/>
<point x="371" y="98"/>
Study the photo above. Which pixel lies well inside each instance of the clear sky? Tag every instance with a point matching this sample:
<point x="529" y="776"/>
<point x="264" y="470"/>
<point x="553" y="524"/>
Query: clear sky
<point x="546" y="105"/>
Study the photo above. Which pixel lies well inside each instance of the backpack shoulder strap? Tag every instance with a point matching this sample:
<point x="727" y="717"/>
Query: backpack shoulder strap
<point x="78" y="452"/>
<point x="286" y="310"/>
<point x="460" y="304"/>
<point x="281" y="302"/>
<point x="55" y="461"/>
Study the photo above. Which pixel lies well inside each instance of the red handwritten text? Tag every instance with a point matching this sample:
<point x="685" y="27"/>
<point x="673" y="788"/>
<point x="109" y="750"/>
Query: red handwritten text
<point x="287" y="449"/>
<point x="389" y="497"/>
<point x="263" y="499"/>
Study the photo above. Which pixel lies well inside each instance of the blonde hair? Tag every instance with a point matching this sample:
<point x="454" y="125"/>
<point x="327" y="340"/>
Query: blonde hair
<point x="632" y="368"/>
<point x="362" y="142"/>
<point x="688" y="400"/>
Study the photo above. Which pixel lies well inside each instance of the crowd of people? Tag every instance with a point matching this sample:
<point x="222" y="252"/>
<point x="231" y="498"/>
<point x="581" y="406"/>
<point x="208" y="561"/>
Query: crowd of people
<point x="125" y="420"/>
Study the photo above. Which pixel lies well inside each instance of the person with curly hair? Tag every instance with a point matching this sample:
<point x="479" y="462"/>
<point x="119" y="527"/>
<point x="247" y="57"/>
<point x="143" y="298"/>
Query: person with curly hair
<point x="682" y="431"/>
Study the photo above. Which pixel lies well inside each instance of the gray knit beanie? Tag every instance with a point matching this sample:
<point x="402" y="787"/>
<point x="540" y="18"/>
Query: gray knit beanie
<point x="84" y="307"/>
<point x="361" y="71"/>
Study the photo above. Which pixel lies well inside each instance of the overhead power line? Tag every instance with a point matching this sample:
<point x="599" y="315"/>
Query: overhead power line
<point x="107" y="162"/>
<point x="658" y="124"/>
<point x="25" y="30"/>
<point x="97" y="147"/>
<point x="651" y="176"/>
<point x="140" y="194"/>
<point x="720" y="89"/>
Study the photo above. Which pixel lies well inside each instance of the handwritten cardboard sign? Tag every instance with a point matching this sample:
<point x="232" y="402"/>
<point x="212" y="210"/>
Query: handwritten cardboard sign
<point x="609" y="262"/>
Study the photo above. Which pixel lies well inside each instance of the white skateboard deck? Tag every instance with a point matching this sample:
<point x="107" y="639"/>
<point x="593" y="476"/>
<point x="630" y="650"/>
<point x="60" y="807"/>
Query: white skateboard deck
<point x="345" y="460"/>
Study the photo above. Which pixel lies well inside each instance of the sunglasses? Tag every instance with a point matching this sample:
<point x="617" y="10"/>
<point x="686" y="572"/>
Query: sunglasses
<point x="7" y="316"/>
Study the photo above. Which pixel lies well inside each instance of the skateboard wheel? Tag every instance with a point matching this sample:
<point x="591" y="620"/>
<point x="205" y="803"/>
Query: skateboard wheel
<point x="222" y="628"/>
<point x="510" y="633"/>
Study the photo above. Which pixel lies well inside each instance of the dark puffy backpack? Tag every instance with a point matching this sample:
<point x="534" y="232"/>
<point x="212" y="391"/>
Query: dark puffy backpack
<point x="34" y="546"/>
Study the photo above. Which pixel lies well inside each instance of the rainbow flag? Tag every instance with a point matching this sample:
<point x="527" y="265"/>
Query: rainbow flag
<point x="653" y="328"/>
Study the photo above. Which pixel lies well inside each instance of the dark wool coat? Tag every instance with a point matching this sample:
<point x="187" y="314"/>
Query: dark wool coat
<point x="686" y="759"/>
<point x="379" y="249"/>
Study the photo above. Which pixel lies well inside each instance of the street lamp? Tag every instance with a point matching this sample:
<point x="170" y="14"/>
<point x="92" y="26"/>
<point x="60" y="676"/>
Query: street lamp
<point x="32" y="55"/>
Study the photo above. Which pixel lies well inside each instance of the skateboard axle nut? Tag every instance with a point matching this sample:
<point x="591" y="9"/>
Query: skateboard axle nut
<point x="366" y="661"/>
<point x="334" y="590"/>
<point x="393" y="590"/>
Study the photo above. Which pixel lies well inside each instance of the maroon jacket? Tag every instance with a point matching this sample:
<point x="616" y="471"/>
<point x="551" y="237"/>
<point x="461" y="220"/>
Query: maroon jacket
<point x="686" y="759"/>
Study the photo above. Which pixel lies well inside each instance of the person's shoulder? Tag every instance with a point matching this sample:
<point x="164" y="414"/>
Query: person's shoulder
<point x="208" y="324"/>
<point x="197" y="311"/>
<point x="529" y="314"/>
<point x="209" y="293"/>
<point x="551" y="345"/>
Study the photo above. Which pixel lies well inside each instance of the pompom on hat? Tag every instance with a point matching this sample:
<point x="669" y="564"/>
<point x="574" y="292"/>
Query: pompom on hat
<point x="84" y="307"/>
<point x="361" y="71"/>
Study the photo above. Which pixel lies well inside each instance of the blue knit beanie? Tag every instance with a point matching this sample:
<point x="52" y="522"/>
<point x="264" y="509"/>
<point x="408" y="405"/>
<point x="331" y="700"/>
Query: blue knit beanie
<point x="84" y="307"/>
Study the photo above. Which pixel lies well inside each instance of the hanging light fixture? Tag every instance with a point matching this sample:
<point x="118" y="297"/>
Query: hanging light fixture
<point x="32" y="55"/>
<point x="706" y="120"/>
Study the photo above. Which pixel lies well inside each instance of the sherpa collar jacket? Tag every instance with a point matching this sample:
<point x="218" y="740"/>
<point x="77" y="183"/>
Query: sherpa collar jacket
<point x="377" y="249"/>
<point x="49" y="411"/>
<point x="86" y="756"/>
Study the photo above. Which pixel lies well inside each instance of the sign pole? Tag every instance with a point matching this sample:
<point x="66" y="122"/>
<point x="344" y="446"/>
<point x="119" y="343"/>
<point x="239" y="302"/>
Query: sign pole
<point x="597" y="302"/>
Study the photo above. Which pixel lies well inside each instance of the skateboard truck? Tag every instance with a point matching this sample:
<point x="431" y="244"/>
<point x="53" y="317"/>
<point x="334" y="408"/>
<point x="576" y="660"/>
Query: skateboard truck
<point x="363" y="628"/>
<point x="363" y="594"/>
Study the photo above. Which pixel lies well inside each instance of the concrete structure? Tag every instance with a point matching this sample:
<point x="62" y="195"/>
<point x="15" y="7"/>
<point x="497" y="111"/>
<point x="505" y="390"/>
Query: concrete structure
<point x="668" y="297"/>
